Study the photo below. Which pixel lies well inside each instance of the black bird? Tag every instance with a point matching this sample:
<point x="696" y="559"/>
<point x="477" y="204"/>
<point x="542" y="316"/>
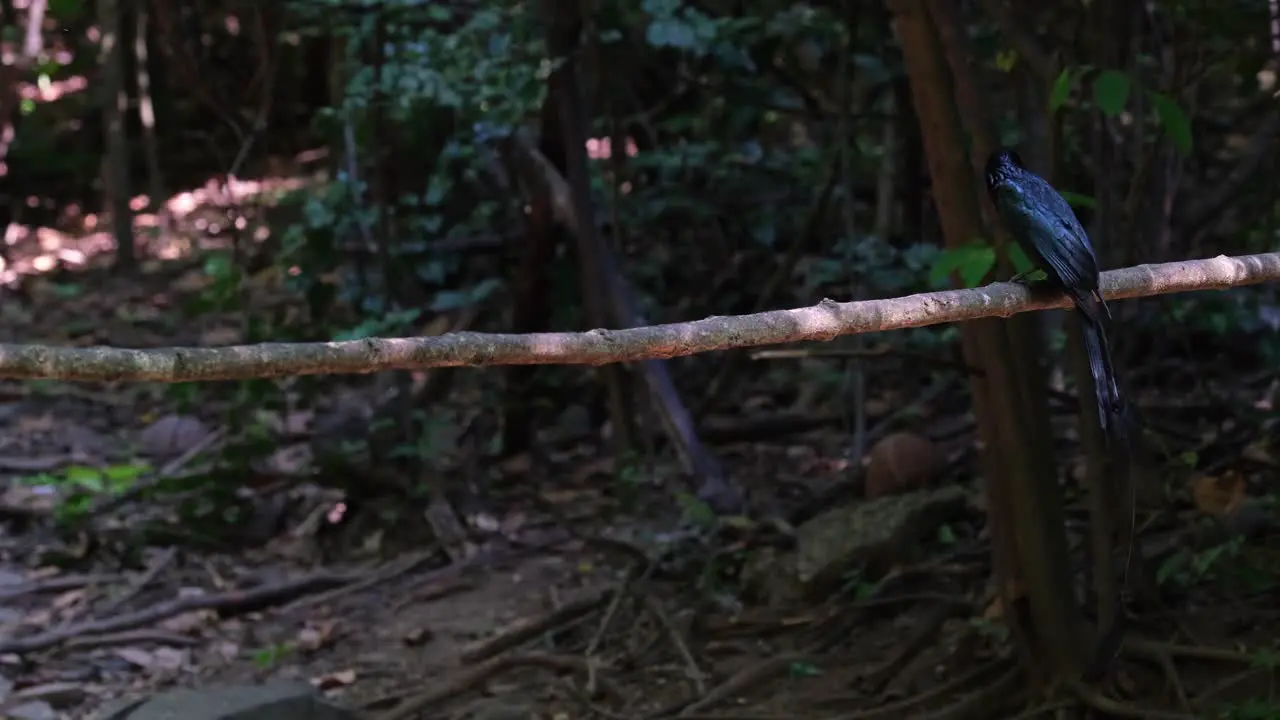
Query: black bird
<point x="1042" y="222"/>
<point x="1046" y="228"/>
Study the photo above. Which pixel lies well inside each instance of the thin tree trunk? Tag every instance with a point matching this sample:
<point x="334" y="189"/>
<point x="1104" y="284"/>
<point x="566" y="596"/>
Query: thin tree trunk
<point x="115" y="168"/>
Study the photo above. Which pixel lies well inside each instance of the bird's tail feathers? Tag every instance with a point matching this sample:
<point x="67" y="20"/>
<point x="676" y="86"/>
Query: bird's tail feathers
<point x="1120" y="423"/>
<point x="1093" y="307"/>
<point x="1113" y="414"/>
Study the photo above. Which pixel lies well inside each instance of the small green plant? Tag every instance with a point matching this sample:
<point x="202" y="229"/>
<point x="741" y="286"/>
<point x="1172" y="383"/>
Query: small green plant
<point x="79" y="485"/>
<point x="269" y="656"/>
<point x="1251" y="709"/>
<point x="1186" y="568"/>
<point x="696" y="511"/>
<point x="803" y="670"/>
<point x="993" y="630"/>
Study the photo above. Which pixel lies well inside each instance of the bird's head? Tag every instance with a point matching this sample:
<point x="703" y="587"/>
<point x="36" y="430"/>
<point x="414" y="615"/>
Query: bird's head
<point x="1003" y="165"/>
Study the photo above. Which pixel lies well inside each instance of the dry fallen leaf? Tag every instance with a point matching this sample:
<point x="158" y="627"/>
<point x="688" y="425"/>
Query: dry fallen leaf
<point x="189" y="621"/>
<point x="417" y="636"/>
<point x="315" y="637"/>
<point x="1217" y="496"/>
<point x="68" y="599"/>
<point x="135" y="656"/>
<point x="35" y="423"/>
<point x="339" y="678"/>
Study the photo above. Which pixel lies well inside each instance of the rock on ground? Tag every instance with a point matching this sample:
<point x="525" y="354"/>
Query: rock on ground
<point x="289" y="700"/>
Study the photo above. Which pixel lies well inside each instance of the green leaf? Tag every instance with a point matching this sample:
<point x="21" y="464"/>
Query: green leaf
<point x="1021" y="263"/>
<point x="1078" y="200"/>
<point x="799" y="670"/>
<point x="1061" y="89"/>
<point x="1111" y="92"/>
<point x="1174" y="121"/>
<point x="946" y="535"/>
<point x="125" y="473"/>
<point x="671" y="32"/>
<point x="970" y="262"/>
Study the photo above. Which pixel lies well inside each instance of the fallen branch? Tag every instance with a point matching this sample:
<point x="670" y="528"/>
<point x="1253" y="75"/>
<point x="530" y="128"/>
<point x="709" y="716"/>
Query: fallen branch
<point x="1096" y="701"/>
<point x="229" y="603"/>
<point x="153" y="571"/>
<point x="133" y="637"/>
<point x="530" y="628"/>
<point x="824" y="321"/>
<point x="692" y="670"/>
<point x="55" y="584"/>
<point x="411" y="706"/>
<point x="746" y="680"/>
<point x="979" y="696"/>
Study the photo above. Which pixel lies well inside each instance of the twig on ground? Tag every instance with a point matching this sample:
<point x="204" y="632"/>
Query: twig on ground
<point x="42" y="463"/>
<point x="985" y="702"/>
<point x="530" y="628"/>
<point x="54" y="584"/>
<point x="914" y="645"/>
<point x="166" y="471"/>
<point x="739" y="682"/>
<point x="677" y="639"/>
<point x="1043" y="709"/>
<point x="400" y="566"/>
<point x="1114" y="708"/>
<point x="585" y="698"/>
<point x="229" y="603"/>
<point x="389" y="571"/>
<point x="1153" y="650"/>
<point x="1226" y="684"/>
<point x="905" y="707"/>
<point x="461" y="683"/>
<point x="1171" y="674"/>
<point x="610" y="611"/>
<point x="142" y="582"/>
<point x="133" y="637"/>
<point x="432" y="590"/>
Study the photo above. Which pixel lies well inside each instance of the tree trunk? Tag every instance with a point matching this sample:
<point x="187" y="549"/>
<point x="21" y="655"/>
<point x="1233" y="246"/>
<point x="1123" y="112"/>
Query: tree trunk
<point x="115" y="169"/>
<point x="1026" y="516"/>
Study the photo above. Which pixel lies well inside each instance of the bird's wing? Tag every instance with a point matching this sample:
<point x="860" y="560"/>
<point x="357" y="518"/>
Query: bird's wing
<point x="1039" y="217"/>
<point x="1070" y="255"/>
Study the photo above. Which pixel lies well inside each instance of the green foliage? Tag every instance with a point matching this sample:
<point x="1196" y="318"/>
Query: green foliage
<point x="80" y="486"/>
<point x="970" y="263"/>
<point x="1251" y="709"/>
<point x="381" y="326"/>
<point x="1173" y="120"/>
<point x="450" y="82"/>
<point x="1111" y="92"/>
<point x="272" y="655"/>
<point x="681" y="28"/>
<point x="803" y="670"/>
<point x="1061" y="89"/>
<point x="1185" y="568"/>
<point x="1078" y="200"/>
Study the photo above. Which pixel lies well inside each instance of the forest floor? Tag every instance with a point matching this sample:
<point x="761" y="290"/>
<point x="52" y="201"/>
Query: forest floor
<point x="567" y="593"/>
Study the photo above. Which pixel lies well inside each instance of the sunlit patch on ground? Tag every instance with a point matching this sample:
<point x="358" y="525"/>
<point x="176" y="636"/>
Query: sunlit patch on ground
<point x="197" y="219"/>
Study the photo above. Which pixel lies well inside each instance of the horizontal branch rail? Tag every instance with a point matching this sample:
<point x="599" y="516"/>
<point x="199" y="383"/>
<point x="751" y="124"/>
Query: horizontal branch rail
<point x="824" y="321"/>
